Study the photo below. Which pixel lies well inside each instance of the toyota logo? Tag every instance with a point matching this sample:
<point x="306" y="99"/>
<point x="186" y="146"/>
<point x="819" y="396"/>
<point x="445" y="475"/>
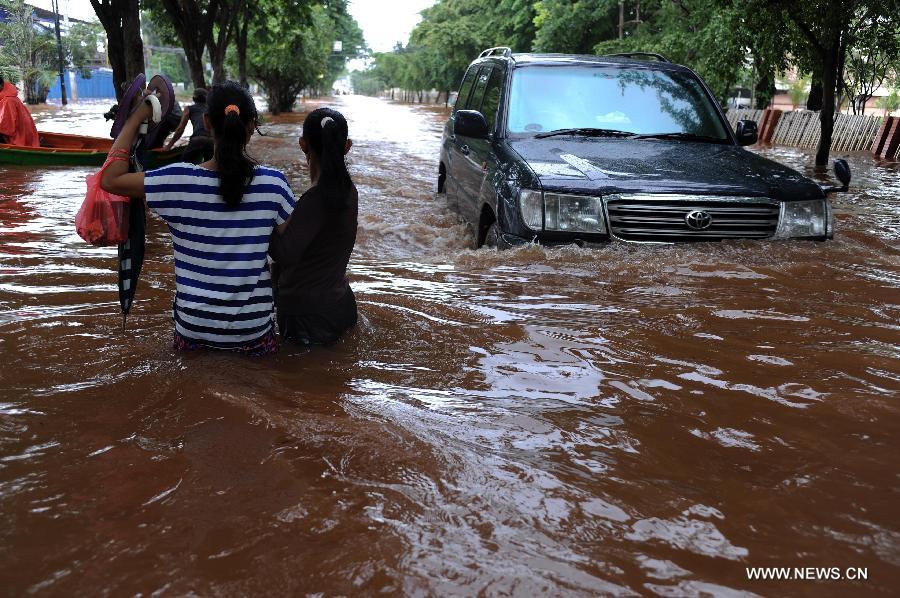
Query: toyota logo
<point x="698" y="220"/>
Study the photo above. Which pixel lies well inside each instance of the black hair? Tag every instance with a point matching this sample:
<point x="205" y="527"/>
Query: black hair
<point x="2" y="82"/>
<point x="200" y="96"/>
<point x="327" y="141"/>
<point x="230" y="135"/>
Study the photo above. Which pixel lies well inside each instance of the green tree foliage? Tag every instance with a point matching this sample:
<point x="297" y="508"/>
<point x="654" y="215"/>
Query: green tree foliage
<point x="164" y="56"/>
<point x="797" y="90"/>
<point x="288" y="52"/>
<point x="284" y="45"/>
<point x="80" y="44"/>
<point x="347" y="31"/>
<point x="890" y="102"/>
<point x="450" y="35"/>
<point x="27" y="55"/>
<point x="574" y="27"/>
<point x="698" y="33"/>
<point x="872" y="58"/>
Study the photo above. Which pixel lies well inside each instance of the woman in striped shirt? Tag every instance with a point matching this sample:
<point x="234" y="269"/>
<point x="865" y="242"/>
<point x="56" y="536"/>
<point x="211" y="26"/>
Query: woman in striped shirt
<point x="220" y="214"/>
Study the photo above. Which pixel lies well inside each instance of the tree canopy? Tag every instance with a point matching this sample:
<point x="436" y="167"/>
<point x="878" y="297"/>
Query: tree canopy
<point x="29" y="55"/>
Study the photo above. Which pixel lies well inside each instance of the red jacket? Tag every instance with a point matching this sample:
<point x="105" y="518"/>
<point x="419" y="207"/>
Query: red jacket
<point x="16" y="123"/>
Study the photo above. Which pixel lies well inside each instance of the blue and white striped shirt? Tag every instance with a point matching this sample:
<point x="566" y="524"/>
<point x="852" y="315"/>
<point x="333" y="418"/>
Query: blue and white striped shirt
<point x="223" y="289"/>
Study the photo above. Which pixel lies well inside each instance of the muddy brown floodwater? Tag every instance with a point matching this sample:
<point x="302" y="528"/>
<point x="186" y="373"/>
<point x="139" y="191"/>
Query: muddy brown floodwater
<point x="626" y="420"/>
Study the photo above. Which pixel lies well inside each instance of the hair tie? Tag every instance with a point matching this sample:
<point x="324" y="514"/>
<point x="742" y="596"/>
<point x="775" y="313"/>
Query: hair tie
<point x="232" y="108"/>
<point x="325" y="121"/>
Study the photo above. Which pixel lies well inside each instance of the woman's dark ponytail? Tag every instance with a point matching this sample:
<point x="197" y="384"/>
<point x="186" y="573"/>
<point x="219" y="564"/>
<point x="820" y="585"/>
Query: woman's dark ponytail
<point x="231" y="111"/>
<point x="325" y="130"/>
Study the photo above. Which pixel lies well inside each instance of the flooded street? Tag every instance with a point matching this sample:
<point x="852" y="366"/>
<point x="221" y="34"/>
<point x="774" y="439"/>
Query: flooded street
<point x="625" y="420"/>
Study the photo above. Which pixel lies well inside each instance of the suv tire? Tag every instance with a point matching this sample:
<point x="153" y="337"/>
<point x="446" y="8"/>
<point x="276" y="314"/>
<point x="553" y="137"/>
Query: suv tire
<point x="492" y="236"/>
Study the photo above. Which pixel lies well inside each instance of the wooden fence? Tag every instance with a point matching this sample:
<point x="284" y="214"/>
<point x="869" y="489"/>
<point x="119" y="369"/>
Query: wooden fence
<point x="801" y="128"/>
<point x="736" y="114"/>
<point x="852" y="132"/>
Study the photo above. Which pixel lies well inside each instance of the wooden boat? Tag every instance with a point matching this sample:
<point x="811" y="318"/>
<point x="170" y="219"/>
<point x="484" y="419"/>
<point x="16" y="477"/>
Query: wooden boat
<point x="62" y="149"/>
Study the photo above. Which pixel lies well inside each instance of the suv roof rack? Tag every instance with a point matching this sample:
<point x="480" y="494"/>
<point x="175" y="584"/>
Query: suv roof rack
<point x="658" y="57"/>
<point x="494" y="51"/>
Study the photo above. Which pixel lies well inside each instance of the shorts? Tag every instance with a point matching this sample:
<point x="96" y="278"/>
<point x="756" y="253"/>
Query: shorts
<point x="266" y="345"/>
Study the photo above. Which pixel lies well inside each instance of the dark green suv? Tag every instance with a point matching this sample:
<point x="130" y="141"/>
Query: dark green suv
<point x="554" y="149"/>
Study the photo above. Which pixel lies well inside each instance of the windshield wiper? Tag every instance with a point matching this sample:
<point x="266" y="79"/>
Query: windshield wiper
<point x="680" y="135"/>
<point x="585" y="132"/>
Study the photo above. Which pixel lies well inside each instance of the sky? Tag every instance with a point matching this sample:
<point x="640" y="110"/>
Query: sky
<point x="76" y="9"/>
<point x="384" y="22"/>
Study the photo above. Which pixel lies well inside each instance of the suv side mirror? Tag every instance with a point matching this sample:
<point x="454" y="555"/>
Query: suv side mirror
<point x="842" y="171"/>
<point x="470" y="123"/>
<point x="746" y="132"/>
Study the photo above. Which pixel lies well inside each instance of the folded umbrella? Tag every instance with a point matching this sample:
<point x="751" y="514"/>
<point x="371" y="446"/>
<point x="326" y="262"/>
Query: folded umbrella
<point x="131" y="252"/>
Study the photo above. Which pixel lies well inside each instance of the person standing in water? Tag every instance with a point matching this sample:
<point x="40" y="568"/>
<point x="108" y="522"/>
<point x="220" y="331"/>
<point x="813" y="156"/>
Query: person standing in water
<point x="315" y="303"/>
<point x="200" y="147"/>
<point x="16" y="125"/>
<point x="221" y="214"/>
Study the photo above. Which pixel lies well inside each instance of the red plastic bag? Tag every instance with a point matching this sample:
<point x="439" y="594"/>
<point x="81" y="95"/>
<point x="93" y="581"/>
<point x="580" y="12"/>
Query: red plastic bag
<point x="103" y="217"/>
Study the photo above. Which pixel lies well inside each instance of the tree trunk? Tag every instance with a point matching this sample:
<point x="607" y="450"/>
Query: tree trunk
<point x="765" y="90"/>
<point x="131" y="34"/>
<point x="195" y="66"/>
<point x="217" y="45"/>
<point x="830" y="61"/>
<point x="122" y="23"/>
<point x="115" y="49"/>
<point x="272" y="92"/>
<point x="242" y="45"/>
<point x="194" y="29"/>
<point x="839" y="74"/>
<point x="814" y="101"/>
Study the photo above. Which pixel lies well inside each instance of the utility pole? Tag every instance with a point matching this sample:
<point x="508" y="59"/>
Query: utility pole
<point x="621" y="19"/>
<point x="62" y="66"/>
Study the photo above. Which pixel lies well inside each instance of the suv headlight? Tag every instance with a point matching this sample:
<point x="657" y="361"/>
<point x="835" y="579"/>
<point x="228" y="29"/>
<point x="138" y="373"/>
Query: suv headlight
<point x="562" y="213"/>
<point x="799" y="219"/>
<point x="531" y="203"/>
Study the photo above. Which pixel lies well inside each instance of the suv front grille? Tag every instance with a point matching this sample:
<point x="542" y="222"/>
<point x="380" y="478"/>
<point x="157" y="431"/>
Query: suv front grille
<point x="663" y="218"/>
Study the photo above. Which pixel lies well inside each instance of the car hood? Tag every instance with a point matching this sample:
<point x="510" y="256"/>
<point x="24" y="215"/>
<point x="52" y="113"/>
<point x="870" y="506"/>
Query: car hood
<point x="647" y="165"/>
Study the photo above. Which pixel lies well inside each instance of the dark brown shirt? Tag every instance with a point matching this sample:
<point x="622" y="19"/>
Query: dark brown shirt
<point x="311" y="256"/>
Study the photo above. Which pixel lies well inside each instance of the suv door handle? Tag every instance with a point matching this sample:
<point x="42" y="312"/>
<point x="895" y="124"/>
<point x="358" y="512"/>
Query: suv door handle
<point x="465" y="150"/>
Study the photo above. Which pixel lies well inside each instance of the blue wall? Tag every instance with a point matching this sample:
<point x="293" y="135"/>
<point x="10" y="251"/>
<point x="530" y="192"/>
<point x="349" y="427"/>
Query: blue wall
<point x="100" y="85"/>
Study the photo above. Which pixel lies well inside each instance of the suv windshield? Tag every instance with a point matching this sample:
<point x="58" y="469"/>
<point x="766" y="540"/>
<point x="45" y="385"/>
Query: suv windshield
<point x="630" y="100"/>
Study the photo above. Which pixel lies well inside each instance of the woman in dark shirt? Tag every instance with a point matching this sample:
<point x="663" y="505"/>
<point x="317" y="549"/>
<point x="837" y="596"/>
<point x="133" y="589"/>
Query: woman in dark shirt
<point x="200" y="147"/>
<point x="314" y="301"/>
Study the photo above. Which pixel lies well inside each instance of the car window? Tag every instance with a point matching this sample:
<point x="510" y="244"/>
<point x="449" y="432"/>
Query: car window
<point x="491" y="99"/>
<point x="637" y="100"/>
<point x="465" y="88"/>
<point x="478" y="92"/>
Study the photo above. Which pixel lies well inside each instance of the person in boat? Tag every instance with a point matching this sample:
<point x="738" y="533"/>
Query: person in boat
<point x="16" y="125"/>
<point x="221" y="214"/>
<point x="200" y="146"/>
<point x="315" y="304"/>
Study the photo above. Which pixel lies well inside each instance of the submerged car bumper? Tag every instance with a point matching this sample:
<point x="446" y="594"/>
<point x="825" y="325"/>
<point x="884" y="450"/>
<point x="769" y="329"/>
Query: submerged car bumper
<point x="671" y="218"/>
